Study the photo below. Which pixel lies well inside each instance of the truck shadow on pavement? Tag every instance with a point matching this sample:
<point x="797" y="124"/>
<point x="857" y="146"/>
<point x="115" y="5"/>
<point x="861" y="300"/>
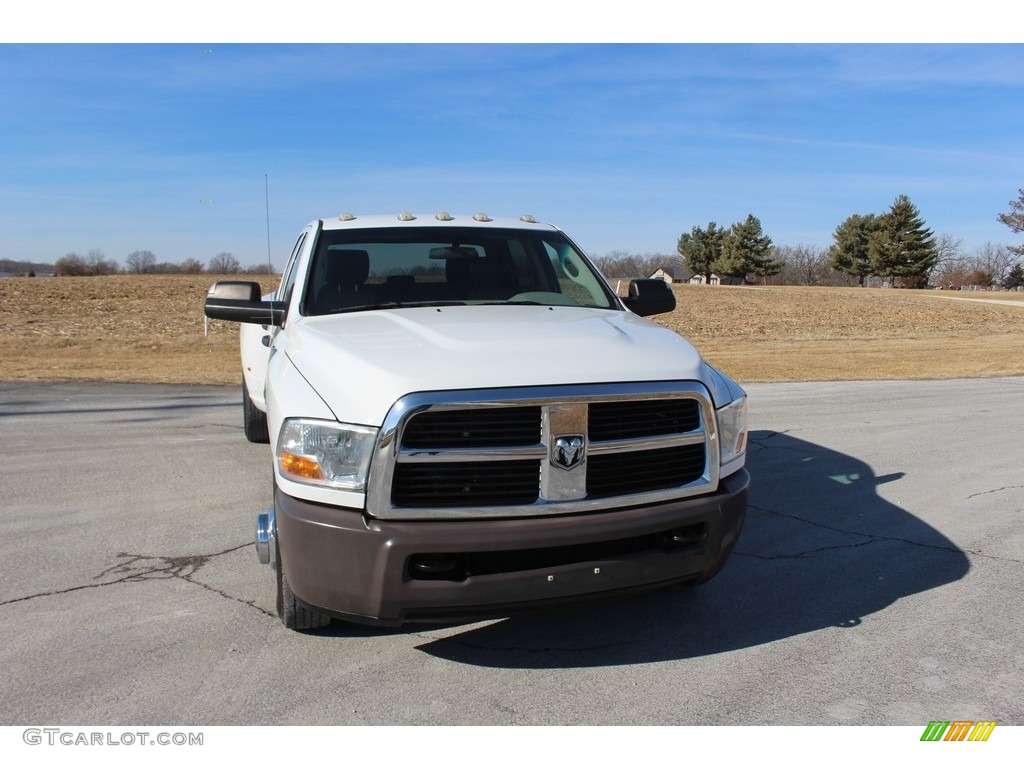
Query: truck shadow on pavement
<point x="820" y="548"/>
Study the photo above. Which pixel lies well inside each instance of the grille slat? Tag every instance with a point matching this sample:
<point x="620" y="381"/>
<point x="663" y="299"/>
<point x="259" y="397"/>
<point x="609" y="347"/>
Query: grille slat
<point x="618" y="474"/>
<point x="642" y="418"/>
<point x="476" y="428"/>
<point x="466" y="484"/>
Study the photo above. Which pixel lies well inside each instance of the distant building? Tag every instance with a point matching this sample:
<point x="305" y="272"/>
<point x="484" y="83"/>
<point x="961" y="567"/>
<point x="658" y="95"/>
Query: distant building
<point x="716" y="279"/>
<point x="669" y="274"/>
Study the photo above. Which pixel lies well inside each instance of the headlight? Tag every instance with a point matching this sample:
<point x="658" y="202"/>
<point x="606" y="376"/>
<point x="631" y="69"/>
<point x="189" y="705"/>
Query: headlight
<point x="732" y="431"/>
<point x="325" y="453"/>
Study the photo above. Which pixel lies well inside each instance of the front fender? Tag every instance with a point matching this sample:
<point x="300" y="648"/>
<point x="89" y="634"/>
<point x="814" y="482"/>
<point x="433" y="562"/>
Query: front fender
<point x="255" y="354"/>
<point x="289" y="395"/>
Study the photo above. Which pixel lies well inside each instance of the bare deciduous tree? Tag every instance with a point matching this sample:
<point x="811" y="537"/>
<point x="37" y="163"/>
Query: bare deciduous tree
<point x="223" y="264"/>
<point x="140" y="261"/>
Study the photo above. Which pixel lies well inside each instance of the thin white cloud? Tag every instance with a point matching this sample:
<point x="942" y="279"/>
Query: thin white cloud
<point x="632" y="144"/>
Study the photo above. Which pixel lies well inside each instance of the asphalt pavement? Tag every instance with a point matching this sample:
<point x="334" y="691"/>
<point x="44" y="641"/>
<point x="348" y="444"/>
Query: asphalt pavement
<point x="877" y="581"/>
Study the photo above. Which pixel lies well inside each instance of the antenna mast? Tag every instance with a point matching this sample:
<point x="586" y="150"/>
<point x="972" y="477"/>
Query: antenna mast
<point x="266" y="188"/>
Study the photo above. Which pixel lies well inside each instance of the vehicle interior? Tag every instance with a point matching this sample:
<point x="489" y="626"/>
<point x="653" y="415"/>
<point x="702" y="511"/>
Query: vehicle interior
<point x="372" y="269"/>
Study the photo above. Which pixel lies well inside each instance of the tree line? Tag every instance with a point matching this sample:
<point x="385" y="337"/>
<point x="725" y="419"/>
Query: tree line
<point x="145" y="263"/>
<point x="894" y="248"/>
<point x="12" y="267"/>
<point x="898" y="248"/>
<point x="738" y="252"/>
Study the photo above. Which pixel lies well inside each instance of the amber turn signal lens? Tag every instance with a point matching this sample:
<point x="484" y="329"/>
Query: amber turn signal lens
<point x="300" y="466"/>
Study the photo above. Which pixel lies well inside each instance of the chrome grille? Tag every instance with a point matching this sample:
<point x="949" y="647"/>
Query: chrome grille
<point x="494" y="453"/>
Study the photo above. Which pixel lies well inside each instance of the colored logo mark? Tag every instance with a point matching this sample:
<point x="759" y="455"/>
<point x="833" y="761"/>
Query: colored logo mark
<point x="958" y="730"/>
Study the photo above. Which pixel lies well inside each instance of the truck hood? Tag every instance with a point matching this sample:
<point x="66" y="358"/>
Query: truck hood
<point x="360" y="363"/>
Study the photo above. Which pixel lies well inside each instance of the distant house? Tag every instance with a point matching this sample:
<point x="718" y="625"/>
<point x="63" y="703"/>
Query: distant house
<point x="669" y="274"/>
<point x="716" y="279"/>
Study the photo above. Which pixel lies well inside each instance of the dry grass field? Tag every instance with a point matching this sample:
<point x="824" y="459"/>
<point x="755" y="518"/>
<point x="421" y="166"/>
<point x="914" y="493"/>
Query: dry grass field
<point x="842" y="334"/>
<point x="151" y="329"/>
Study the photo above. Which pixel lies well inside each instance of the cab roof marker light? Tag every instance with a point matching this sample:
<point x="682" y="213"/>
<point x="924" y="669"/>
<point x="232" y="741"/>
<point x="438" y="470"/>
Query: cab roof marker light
<point x="481" y="217"/>
<point x="406" y="216"/>
<point x="444" y="216"/>
<point x="346" y="216"/>
<point x="528" y="218"/>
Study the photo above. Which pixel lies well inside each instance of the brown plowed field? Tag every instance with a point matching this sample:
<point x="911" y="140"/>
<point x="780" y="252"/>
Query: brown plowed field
<point x="151" y="329"/>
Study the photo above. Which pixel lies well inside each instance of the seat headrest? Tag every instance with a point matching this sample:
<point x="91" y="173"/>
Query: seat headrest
<point x="347" y="267"/>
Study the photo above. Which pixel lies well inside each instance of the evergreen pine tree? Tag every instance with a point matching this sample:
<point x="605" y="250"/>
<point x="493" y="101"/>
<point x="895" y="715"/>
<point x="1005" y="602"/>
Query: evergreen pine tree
<point x="851" y="251"/>
<point x="747" y="250"/>
<point x="701" y="248"/>
<point x="1014" y="277"/>
<point x="902" y="248"/>
<point x="1015" y="220"/>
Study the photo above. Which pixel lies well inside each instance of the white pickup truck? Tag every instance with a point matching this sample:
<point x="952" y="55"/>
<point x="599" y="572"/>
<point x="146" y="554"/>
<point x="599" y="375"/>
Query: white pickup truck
<point x="466" y="421"/>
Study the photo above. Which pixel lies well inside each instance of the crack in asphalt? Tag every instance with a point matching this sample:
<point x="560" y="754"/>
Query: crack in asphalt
<point x="762" y="442"/>
<point x="996" y="490"/>
<point x="135" y="568"/>
<point x="871" y="538"/>
<point x="207" y="425"/>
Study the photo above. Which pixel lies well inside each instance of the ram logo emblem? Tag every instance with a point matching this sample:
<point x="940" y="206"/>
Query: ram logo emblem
<point x="567" y="452"/>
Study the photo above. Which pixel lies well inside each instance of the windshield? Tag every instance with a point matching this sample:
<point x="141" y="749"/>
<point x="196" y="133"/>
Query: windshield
<point x="366" y="269"/>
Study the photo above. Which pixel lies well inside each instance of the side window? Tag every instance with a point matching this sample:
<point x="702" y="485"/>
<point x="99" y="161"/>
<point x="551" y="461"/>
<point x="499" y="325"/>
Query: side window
<point x="284" y="293"/>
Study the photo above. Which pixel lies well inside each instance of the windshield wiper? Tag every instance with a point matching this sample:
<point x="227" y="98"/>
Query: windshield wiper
<point x="522" y="302"/>
<point x="395" y="305"/>
<point x="363" y="308"/>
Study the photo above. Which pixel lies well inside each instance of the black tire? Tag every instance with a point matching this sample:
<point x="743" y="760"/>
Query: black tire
<point x="253" y="420"/>
<point x="294" y="614"/>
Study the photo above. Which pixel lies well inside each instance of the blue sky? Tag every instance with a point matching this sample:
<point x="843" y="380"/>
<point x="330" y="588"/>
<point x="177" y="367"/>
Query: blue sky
<point x="166" y="147"/>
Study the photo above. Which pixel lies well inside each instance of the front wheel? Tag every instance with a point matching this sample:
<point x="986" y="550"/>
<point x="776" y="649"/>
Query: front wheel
<point x="294" y="614"/>
<point x="254" y="420"/>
